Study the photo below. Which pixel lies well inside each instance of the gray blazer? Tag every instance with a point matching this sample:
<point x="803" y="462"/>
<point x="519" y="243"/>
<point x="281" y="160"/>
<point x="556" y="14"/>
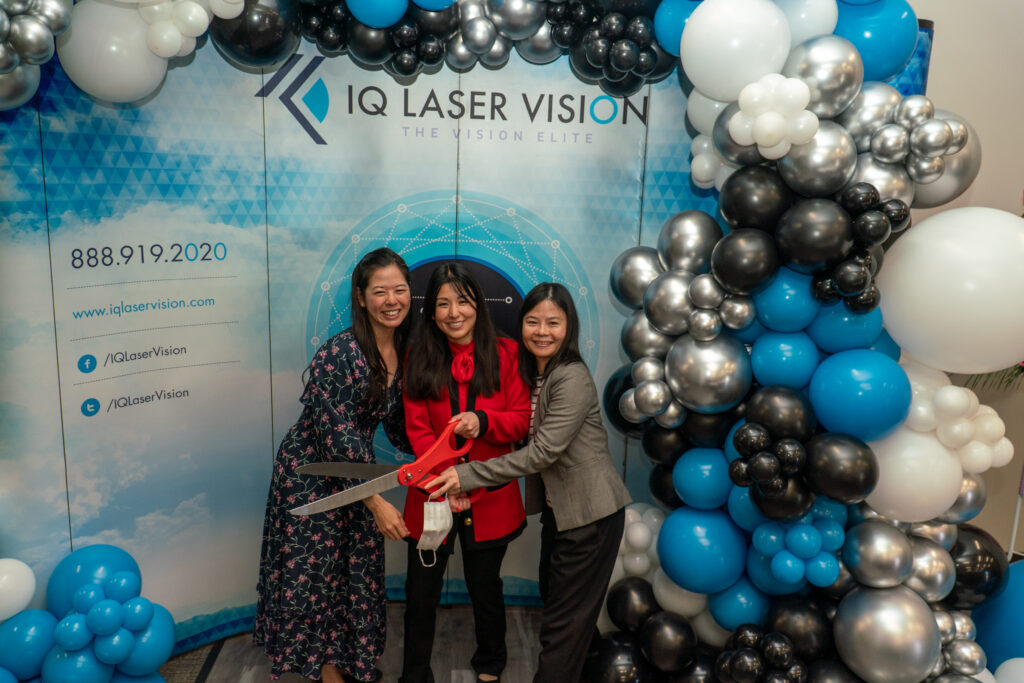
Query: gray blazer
<point x="569" y="452"/>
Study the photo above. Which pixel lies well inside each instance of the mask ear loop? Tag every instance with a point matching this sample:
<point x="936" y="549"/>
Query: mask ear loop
<point x="420" y="552"/>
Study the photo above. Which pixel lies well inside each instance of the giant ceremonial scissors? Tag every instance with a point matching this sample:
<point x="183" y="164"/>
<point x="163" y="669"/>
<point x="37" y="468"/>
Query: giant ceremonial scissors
<point x="411" y="474"/>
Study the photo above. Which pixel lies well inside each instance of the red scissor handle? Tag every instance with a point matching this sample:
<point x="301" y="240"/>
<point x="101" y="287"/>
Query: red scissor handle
<point x="417" y="472"/>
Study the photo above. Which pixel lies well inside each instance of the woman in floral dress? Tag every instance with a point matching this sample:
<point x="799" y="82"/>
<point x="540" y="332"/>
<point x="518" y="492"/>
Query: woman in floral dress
<point x="321" y="608"/>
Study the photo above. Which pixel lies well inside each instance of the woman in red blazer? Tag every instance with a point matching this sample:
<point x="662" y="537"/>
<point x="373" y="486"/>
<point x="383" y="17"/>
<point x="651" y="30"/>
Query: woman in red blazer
<point x="458" y="367"/>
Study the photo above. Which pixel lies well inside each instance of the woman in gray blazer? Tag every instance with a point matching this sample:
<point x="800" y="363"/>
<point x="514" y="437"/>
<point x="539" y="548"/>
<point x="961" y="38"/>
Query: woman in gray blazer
<point x="571" y="481"/>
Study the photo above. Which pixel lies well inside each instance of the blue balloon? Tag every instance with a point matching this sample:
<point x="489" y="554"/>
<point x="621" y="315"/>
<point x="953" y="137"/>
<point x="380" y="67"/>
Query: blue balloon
<point x="769" y="538"/>
<point x="862" y="393"/>
<point x="701" y="550"/>
<point x="750" y="333"/>
<point x="743" y="510"/>
<point x="123" y="586"/>
<point x="786" y="359"/>
<point x="669" y="20"/>
<point x="728" y="448"/>
<point x="25" y="639"/>
<point x="832" y="534"/>
<point x="740" y="603"/>
<point x="7" y="677"/>
<point x="822" y="570"/>
<point x="378" y="13"/>
<point x="114" y="648"/>
<point x="837" y="328"/>
<point x="701" y="478"/>
<point x="826" y="508"/>
<point x="803" y="540"/>
<point x="759" y="570"/>
<point x="92" y="564"/>
<point x="80" y="666"/>
<point x="884" y="33"/>
<point x="137" y="613"/>
<point x="86" y="596"/>
<point x="153" y="645"/>
<point x="788" y="303"/>
<point x="887" y="345"/>
<point x="433" y="5"/>
<point x="998" y="620"/>
<point x="151" y="678"/>
<point x="72" y="632"/>
<point x="105" y="617"/>
<point x="787" y="567"/>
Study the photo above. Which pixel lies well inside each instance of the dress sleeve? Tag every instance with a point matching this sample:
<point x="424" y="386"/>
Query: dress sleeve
<point x="511" y="422"/>
<point x="417" y="425"/>
<point x="334" y="389"/>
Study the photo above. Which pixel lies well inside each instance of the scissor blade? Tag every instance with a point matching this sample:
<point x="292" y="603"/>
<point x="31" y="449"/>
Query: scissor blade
<point x="354" y="470"/>
<point x="348" y="496"/>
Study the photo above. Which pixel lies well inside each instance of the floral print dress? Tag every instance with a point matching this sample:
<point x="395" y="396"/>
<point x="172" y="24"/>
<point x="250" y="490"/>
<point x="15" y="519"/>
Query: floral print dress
<point x="321" y="587"/>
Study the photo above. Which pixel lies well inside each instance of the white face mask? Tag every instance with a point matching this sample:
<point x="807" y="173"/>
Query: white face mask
<point x="437" y="522"/>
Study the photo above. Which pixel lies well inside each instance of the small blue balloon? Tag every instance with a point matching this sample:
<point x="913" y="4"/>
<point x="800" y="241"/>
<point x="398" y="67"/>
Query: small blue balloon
<point x="750" y="333"/>
<point x="826" y="508"/>
<point x="80" y="666"/>
<point x="728" y="447"/>
<point x="788" y="303"/>
<point x="740" y="603"/>
<point x="86" y="596"/>
<point x="759" y="570"/>
<point x="91" y="564"/>
<point x="105" y="617"/>
<point x="769" y="538"/>
<point x="837" y="328"/>
<point x="787" y="567"/>
<point x="884" y="33"/>
<point x="832" y="535"/>
<point x="137" y="613"/>
<point x="669" y="20"/>
<point x="123" y="586"/>
<point x="862" y="393"/>
<point x="998" y="620"/>
<point x="151" y="678"/>
<point x="701" y="550"/>
<point x="153" y="645"/>
<point x="887" y="345"/>
<point x="786" y="359"/>
<point x="743" y="510"/>
<point x="72" y="632"/>
<point x="803" y="540"/>
<point x="7" y="677"/>
<point x="822" y="570"/>
<point x="25" y="639"/>
<point x="114" y="648"/>
<point x="701" y="478"/>
<point x="433" y="5"/>
<point x="378" y="13"/>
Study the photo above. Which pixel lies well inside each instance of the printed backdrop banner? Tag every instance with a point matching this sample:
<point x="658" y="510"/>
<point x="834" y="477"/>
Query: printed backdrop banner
<point x="169" y="269"/>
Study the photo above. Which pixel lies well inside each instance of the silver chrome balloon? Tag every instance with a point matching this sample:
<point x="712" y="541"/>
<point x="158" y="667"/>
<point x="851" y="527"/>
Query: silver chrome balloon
<point x="640" y="339"/>
<point x="924" y="170"/>
<point x="632" y="271"/>
<point x="973" y="494"/>
<point x="687" y="239"/>
<point x="479" y="35"/>
<point x="9" y="59"/>
<point x="708" y="377"/>
<point x="891" y="180"/>
<point x="860" y="512"/>
<point x="931" y="138"/>
<point x="965" y="657"/>
<point x="56" y="14"/>
<point x="705" y="292"/>
<point x="652" y="397"/>
<point x="965" y="628"/>
<point x="822" y="166"/>
<point x="961" y="169"/>
<point x="946" y="625"/>
<point x="666" y="303"/>
<point x="31" y="38"/>
<point x="914" y="109"/>
<point x="958" y="133"/>
<point x="744" y="155"/>
<point x="886" y="635"/>
<point x="628" y="408"/>
<point x="18" y="86"/>
<point x="890" y="143"/>
<point x="943" y="534"/>
<point x="517" y="19"/>
<point x="871" y="109"/>
<point x="539" y="48"/>
<point x="457" y="55"/>
<point x="952" y="677"/>
<point x="5" y="25"/>
<point x="833" y="70"/>
<point x="647" y="368"/>
<point x="934" y="573"/>
<point x="471" y="9"/>
<point x="878" y="555"/>
<point x="703" y="324"/>
<point x="673" y="417"/>
<point x="15" y="7"/>
<point x="737" y="312"/>
<point x="499" y="53"/>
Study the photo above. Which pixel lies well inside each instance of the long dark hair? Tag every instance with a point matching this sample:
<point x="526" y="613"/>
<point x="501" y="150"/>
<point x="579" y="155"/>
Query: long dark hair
<point x="428" y="369"/>
<point x="569" y="351"/>
<point x="361" y="328"/>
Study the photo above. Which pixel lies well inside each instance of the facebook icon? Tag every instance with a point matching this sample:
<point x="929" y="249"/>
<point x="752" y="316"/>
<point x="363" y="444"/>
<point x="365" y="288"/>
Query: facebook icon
<point x="87" y="363"/>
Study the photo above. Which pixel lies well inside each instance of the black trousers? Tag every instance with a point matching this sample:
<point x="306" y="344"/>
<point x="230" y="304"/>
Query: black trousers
<point x="575" y="567"/>
<point x="482" y="568"/>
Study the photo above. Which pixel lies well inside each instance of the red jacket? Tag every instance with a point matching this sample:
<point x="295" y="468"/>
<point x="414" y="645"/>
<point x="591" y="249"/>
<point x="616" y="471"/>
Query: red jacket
<point x="498" y="513"/>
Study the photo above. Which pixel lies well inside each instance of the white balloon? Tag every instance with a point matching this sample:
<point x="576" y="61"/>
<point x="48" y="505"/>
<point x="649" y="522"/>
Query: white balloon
<point x="726" y="44"/>
<point x="741" y="128"/>
<point x="769" y="129"/>
<point x="791" y="97"/>
<point x="809" y="18"/>
<point x="724" y="171"/>
<point x="989" y="428"/>
<point x="802" y="127"/>
<point x="653" y="518"/>
<point x="985" y="676"/>
<point x="1002" y="452"/>
<point x="702" y="111"/>
<point x="156" y="11"/>
<point x="975" y="457"/>
<point x="105" y="53"/>
<point x="775" y="151"/>
<point x="226" y="9"/>
<point x="164" y="39"/>
<point x="954" y="433"/>
<point x="918" y="477"/>
<point x="922" y="375"/>
<point x="704" y="168"/>
<point x="952" y="287"/>
<point x="951" y="402"/>
<point x="1011" y="671"/>
<point x="638" y="536"/>
<point x="708" y="630"/>
<point x="674" y="598"/>
<point x="633" y="515"/>
<point x="191" y="18"/>
<point x="921" y="417"/>
<point x="17" y="586"/>
<point x="702" y="144"/>
<point x="636" y="564"/>
<point x="188" y="45"/>
<point x="755" y="99"/>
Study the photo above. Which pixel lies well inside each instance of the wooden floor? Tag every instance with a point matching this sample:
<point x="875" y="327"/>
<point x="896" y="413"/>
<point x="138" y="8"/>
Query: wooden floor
<point x="239" y="661"/>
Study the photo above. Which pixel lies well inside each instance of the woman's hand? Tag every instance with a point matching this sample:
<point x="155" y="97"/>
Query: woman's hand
<point x="458" y="502"/>
<point x="469" y="425"/>
<point x="387" y="518"/>
<point x="446" y="481"/>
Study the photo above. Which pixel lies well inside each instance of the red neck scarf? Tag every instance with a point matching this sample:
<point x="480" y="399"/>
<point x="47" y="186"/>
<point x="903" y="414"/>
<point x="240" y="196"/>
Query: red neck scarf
<point x="462" y="361"/>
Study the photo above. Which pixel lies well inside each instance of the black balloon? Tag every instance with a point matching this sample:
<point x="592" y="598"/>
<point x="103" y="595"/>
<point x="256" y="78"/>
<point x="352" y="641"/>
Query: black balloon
<point x="739" y="473"/>
<point x="430" y="50"/>
<point x="641" y="31"/>
<point x="859" y="198"/>
<point x="775" y="677"/>
<point x="774" y="487"/>
<point x="791" y="455"/>
<point x="557" y="11"/>
<point x="598" y="50"/>
<point x="646" y="62"/>
<point x="613" y="25"/>
<point x="668" y="641"/>
<point x="898" y="213"/>
<point x="709" y="430"/>
<point x="866" y="301"/>
<point x="784" y="412"/>
<point x="745" y="260"/>
<point x="763" y="467"/>
<point x="264" y="35"/>
<point x="831" y="671"/>
<point x="581" y="66"/>
<point x="630" y="84"/>
<point x="869" y="257"/>
<point x="797" y="672"/>
<point x="722" y="667"/>
<point x="620" y="381"/>
<point x="406" y="62"/>
<point x="981" y="568"/>
<point x="660" y="483"/>
<point x="745" y="635"/>
<point x="824" y="289"/>
<point x="871" y="227"/>
<point x="564" y="33"/>
<point x="777" y="650"/>
<point x="804" y="623"/>
<point x="791" y="501"/>
<point x="700" y="670"/>
<point x="630" y="603"/>
<point x="746" y="665"/>
<point x="841" y="467"/>
<point x="663" y="446"/>
<point x="631" y="8"/>
<point x="664" y="65"/>
<point x="624" y="55"/>
<point x="330" y="39"/>
<point x="851" y="277"/>
<point x="613" y="75"/>
<point x="616" y="658"/>
<point x="582" y="13"/>
<point x="751" y="438"/>
<point x="368" y="45"/>
<point x="441" y="23"/>
<point x="754" y="197"/>
<point x="813" y="234"/>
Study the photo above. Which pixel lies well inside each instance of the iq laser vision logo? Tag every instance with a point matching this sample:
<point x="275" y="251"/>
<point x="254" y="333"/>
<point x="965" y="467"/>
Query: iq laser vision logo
<point x="316" y="98"/>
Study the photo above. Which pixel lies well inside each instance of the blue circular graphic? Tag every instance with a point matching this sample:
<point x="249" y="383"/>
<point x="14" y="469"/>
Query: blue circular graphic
<point x="87" y="363"/>
<point x="90" y="407"/>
